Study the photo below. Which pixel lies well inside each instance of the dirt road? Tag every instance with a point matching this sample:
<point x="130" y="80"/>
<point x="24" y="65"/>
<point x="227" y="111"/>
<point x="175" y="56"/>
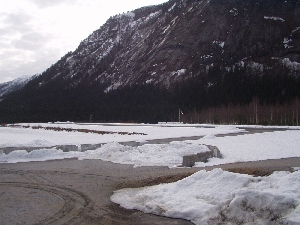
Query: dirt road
<point x="78" y="192"/>
<point x="75" y="192"/>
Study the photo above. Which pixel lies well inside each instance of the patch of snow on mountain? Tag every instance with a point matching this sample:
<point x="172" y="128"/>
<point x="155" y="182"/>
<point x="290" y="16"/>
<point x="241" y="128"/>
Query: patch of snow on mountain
<point x="234" y="12"/>
<point x="292" y="65"/>
<point x="152" y="15"/>
<point x="220" y="43"/>
<point x="113" y="87"/>
<point x="181" y="72"/>
<point x="170" y="9"/>
<point x="286" y="42"/>
<point x="274" y="18"/>
<point x="295" y="30"/>
<point x="256" y="66"/>
<point x="149" y="81"/>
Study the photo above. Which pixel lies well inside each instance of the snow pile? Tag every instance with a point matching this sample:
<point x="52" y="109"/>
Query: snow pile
<point x="146" y="155"/>
<point x="221" y="197"/>
<point x="35" y="155"/>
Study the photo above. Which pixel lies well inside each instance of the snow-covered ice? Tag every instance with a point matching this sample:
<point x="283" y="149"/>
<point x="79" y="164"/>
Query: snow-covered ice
<point x="253" y="147"/>
<point x="25" y="137"/>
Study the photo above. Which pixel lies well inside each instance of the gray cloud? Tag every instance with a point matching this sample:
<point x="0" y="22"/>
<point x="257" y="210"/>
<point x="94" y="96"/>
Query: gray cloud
<point x="15" y="23"/>
<point x="31" y="41"/>
<point x="49" y="3"/>
<point x="18" y="33"/>
<point x="22" y="49"/>
<point x="14" y="68"/>
<point x="17" y="20"/>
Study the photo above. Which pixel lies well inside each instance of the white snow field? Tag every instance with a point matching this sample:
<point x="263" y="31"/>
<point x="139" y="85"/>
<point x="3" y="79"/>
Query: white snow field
<point x="206" y="197"/>
<point x="26" y="137"/>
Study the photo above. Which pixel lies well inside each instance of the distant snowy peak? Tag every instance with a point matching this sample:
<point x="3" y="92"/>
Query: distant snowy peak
<point x="14" y="85"/>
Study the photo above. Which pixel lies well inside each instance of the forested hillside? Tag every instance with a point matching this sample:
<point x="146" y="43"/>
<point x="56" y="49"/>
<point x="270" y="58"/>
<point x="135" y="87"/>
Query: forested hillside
<point x="219" y="61"/>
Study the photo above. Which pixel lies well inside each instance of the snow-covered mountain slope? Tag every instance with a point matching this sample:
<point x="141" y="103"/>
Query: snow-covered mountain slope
<point x="14" y="85"/>
<point x="182" y="38"/>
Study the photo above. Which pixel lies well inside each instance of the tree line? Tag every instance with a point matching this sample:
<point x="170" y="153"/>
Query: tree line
<point x="238" y="96"/>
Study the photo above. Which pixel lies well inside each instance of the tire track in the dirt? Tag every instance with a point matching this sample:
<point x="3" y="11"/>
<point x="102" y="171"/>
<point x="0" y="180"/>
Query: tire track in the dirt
<point x="30" y="176"/>
<point x="75" y="203"/>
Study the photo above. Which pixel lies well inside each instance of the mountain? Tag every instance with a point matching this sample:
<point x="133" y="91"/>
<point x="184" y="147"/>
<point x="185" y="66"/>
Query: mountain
<point x="145" y="64"/>
<point x="14" y="85"/>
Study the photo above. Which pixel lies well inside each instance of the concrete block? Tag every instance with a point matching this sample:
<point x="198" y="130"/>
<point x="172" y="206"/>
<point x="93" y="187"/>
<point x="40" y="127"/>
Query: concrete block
<point x="98" y="145"/>
<point x="190" y="160"/>
<point x="85" y="147"/>
<point x="204" y="156"/>
<point x="67" y="148"/>
<point x="8" y="150"/>
<point x="216" y="151"/>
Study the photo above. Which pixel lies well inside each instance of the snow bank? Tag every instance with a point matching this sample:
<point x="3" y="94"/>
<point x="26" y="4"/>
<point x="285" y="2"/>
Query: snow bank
<point x="146" y="155"/>
<point x="35" y="155"/>
<point x="221" y="197"/>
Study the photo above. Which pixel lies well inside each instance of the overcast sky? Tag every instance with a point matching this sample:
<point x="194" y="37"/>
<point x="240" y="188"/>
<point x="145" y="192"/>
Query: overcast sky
<point x="34" y="34"/>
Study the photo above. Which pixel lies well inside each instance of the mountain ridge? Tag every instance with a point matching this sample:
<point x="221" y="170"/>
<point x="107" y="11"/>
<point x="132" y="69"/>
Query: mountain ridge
<point x="135" y="47"/>
<point x="14" y="85"/>
<point x="189" y="51"/>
